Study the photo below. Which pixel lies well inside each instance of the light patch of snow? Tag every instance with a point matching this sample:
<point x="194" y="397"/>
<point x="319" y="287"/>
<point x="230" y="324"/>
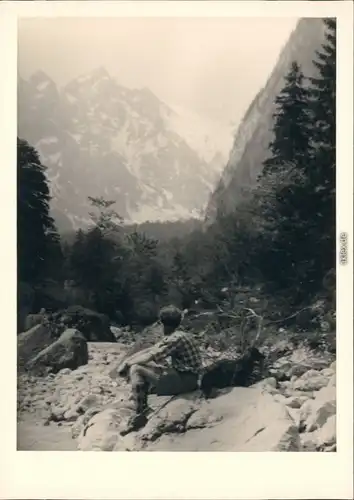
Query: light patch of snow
<point x="176" y="167"/>
<point x="71" y="99"/>
<point x="53" y="158"/>
<point x="168" y="194"/>
<point x="122" y="144"/>
<point x="83" y="78"/>
<point x="47" y="140"/>
<point x="162" y="140"/>
<point x="43" y="85"/>
<point x="54" y="184"/>
<point x="153" y="213"/>
<point x="149" y="148"/>
<point x="76" y="137"/>
<point x="205" y="136"/>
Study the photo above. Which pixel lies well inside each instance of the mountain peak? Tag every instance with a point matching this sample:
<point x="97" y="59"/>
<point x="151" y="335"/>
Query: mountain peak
<point x="40" y="76"/>
<point x="100" y="72"/>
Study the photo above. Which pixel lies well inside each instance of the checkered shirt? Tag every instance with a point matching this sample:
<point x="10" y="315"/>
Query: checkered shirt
<point x="183" y="349"/>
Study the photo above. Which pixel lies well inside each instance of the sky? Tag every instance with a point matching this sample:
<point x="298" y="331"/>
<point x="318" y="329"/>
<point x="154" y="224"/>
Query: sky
<point x="211" y="66"/>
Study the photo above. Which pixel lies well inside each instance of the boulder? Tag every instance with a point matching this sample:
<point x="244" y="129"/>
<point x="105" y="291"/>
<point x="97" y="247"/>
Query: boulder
<point x="322" y="439"/>
<point x="327" y="434"/>
<point x="32" y="342"/>
<point x="102" y="431"/>
<point x="94" y="327"/>
<point x="82" y="421"/>
<point x="312" y="380"/>
<point x="298" y="362"/>
<point x="33" y="320"/>
<point x="295" y="401"/>
<point x="308" y="441"/>
<point x="69" y="351"/>
<point x="314" y="413"/>
<point x="239" y="419"/>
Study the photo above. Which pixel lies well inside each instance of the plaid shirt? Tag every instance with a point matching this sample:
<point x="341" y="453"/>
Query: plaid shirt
<point x="183" y="350"/>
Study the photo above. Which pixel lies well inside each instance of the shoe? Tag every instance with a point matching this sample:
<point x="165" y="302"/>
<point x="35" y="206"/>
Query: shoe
<point x="134" y="424"/>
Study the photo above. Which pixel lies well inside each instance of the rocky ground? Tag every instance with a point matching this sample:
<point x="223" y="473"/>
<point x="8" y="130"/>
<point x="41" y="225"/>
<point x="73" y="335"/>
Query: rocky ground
<point x="86" y="409"/>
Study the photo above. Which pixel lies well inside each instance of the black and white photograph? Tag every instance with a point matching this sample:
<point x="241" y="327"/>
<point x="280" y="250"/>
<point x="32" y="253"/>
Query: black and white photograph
<point x="176" y="234"/>
<point x="178" y="249"/>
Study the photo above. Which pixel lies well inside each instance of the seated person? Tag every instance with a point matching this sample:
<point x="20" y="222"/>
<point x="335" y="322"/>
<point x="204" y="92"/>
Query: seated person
<point x="146" y="372"/>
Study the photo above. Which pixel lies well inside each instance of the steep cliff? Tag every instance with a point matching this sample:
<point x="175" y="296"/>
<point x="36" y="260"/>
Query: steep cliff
<point x="251" y="142"/>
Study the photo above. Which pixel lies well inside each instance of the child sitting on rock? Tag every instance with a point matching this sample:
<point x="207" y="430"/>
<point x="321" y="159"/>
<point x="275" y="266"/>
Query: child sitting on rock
<point x="145" y="371"/>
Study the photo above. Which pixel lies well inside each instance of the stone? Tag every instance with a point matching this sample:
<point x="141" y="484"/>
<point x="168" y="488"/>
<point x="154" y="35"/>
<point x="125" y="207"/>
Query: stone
<point x="327" y="434"/>
<point x="71" y="415"/>
<point x="238" y="419"/>
<point x="320" y="414"/>
<point x="31" y="343"/>
<point x="332" y="381"/>
<point x="327" y="372"/>
<point x="82" y="420"/>
<point x="295" y="401"/>
<point x="328" y="393"/>
<point x="308" y="441"/>
<point x="90" y="401"/>
<point x="102" y="432"/>
<point x="64" y="371"/>
<point x="94" y="327"/>
<point x="312" y="380"/>
<point x="267" y="383"/>
<point x="69" y="351"/>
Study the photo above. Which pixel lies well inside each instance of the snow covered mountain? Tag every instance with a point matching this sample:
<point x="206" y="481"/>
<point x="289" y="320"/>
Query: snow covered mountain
<point x="98" y="138"/>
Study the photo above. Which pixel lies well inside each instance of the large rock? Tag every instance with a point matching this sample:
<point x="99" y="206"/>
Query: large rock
<point x="69" y="351"/>
<point x="33" y="320"/>
<point x="297" y="363"/>
<point x="314" y="413"/>
<point x="102" y="432"/>
<point x="32" y="342"/>
<point x="95" y="327"/>
<point x="322" y="439"/>
<point x="239" y="419"/>
<point x="312" y="380"/>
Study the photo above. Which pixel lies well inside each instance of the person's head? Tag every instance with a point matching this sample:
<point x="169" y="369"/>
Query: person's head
<point x="170" y="318"/>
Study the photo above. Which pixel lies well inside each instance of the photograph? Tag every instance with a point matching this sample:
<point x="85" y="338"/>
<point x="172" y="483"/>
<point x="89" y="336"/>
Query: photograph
<point x="176" y="234"/>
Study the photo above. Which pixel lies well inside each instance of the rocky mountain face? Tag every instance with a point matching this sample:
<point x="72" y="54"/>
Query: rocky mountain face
<point x="98" y="138"/>
<point x="250" y="147"/>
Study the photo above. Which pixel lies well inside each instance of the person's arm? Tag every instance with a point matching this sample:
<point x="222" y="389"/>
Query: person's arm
<point x="159" y="352"/>
<point x="140" y="359"/>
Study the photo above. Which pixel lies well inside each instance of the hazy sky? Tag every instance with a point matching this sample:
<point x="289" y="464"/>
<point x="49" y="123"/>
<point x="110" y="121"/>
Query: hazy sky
<point x="214" y="66"/>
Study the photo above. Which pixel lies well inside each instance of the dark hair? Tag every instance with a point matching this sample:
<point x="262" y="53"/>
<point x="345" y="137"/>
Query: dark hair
<point x="170" y="316"/>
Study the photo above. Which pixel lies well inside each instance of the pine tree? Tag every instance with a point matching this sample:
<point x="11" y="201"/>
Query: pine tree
<point x="321" y="173"/>
<point x="292" y="125"/>
<point x="38" y="243"/>
<point x="300" y="205"/>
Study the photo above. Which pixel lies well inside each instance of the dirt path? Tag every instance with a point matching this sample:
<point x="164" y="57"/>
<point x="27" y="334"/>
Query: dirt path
<point x="35" y="436"/>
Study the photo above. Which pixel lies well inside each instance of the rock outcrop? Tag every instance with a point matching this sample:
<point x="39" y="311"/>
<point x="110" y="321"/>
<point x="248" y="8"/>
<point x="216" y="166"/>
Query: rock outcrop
<point x="240" y="419"/>
<point x="69" y="351"/>
<point x="94" y="326"/>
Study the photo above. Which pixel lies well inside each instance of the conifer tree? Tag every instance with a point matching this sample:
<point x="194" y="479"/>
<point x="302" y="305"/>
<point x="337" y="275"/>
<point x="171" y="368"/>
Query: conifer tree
<point x="38" y="243"/>
<point x="321" y="173"/>
<point x="292" y="124"/>
<point x="300" y="207"/>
